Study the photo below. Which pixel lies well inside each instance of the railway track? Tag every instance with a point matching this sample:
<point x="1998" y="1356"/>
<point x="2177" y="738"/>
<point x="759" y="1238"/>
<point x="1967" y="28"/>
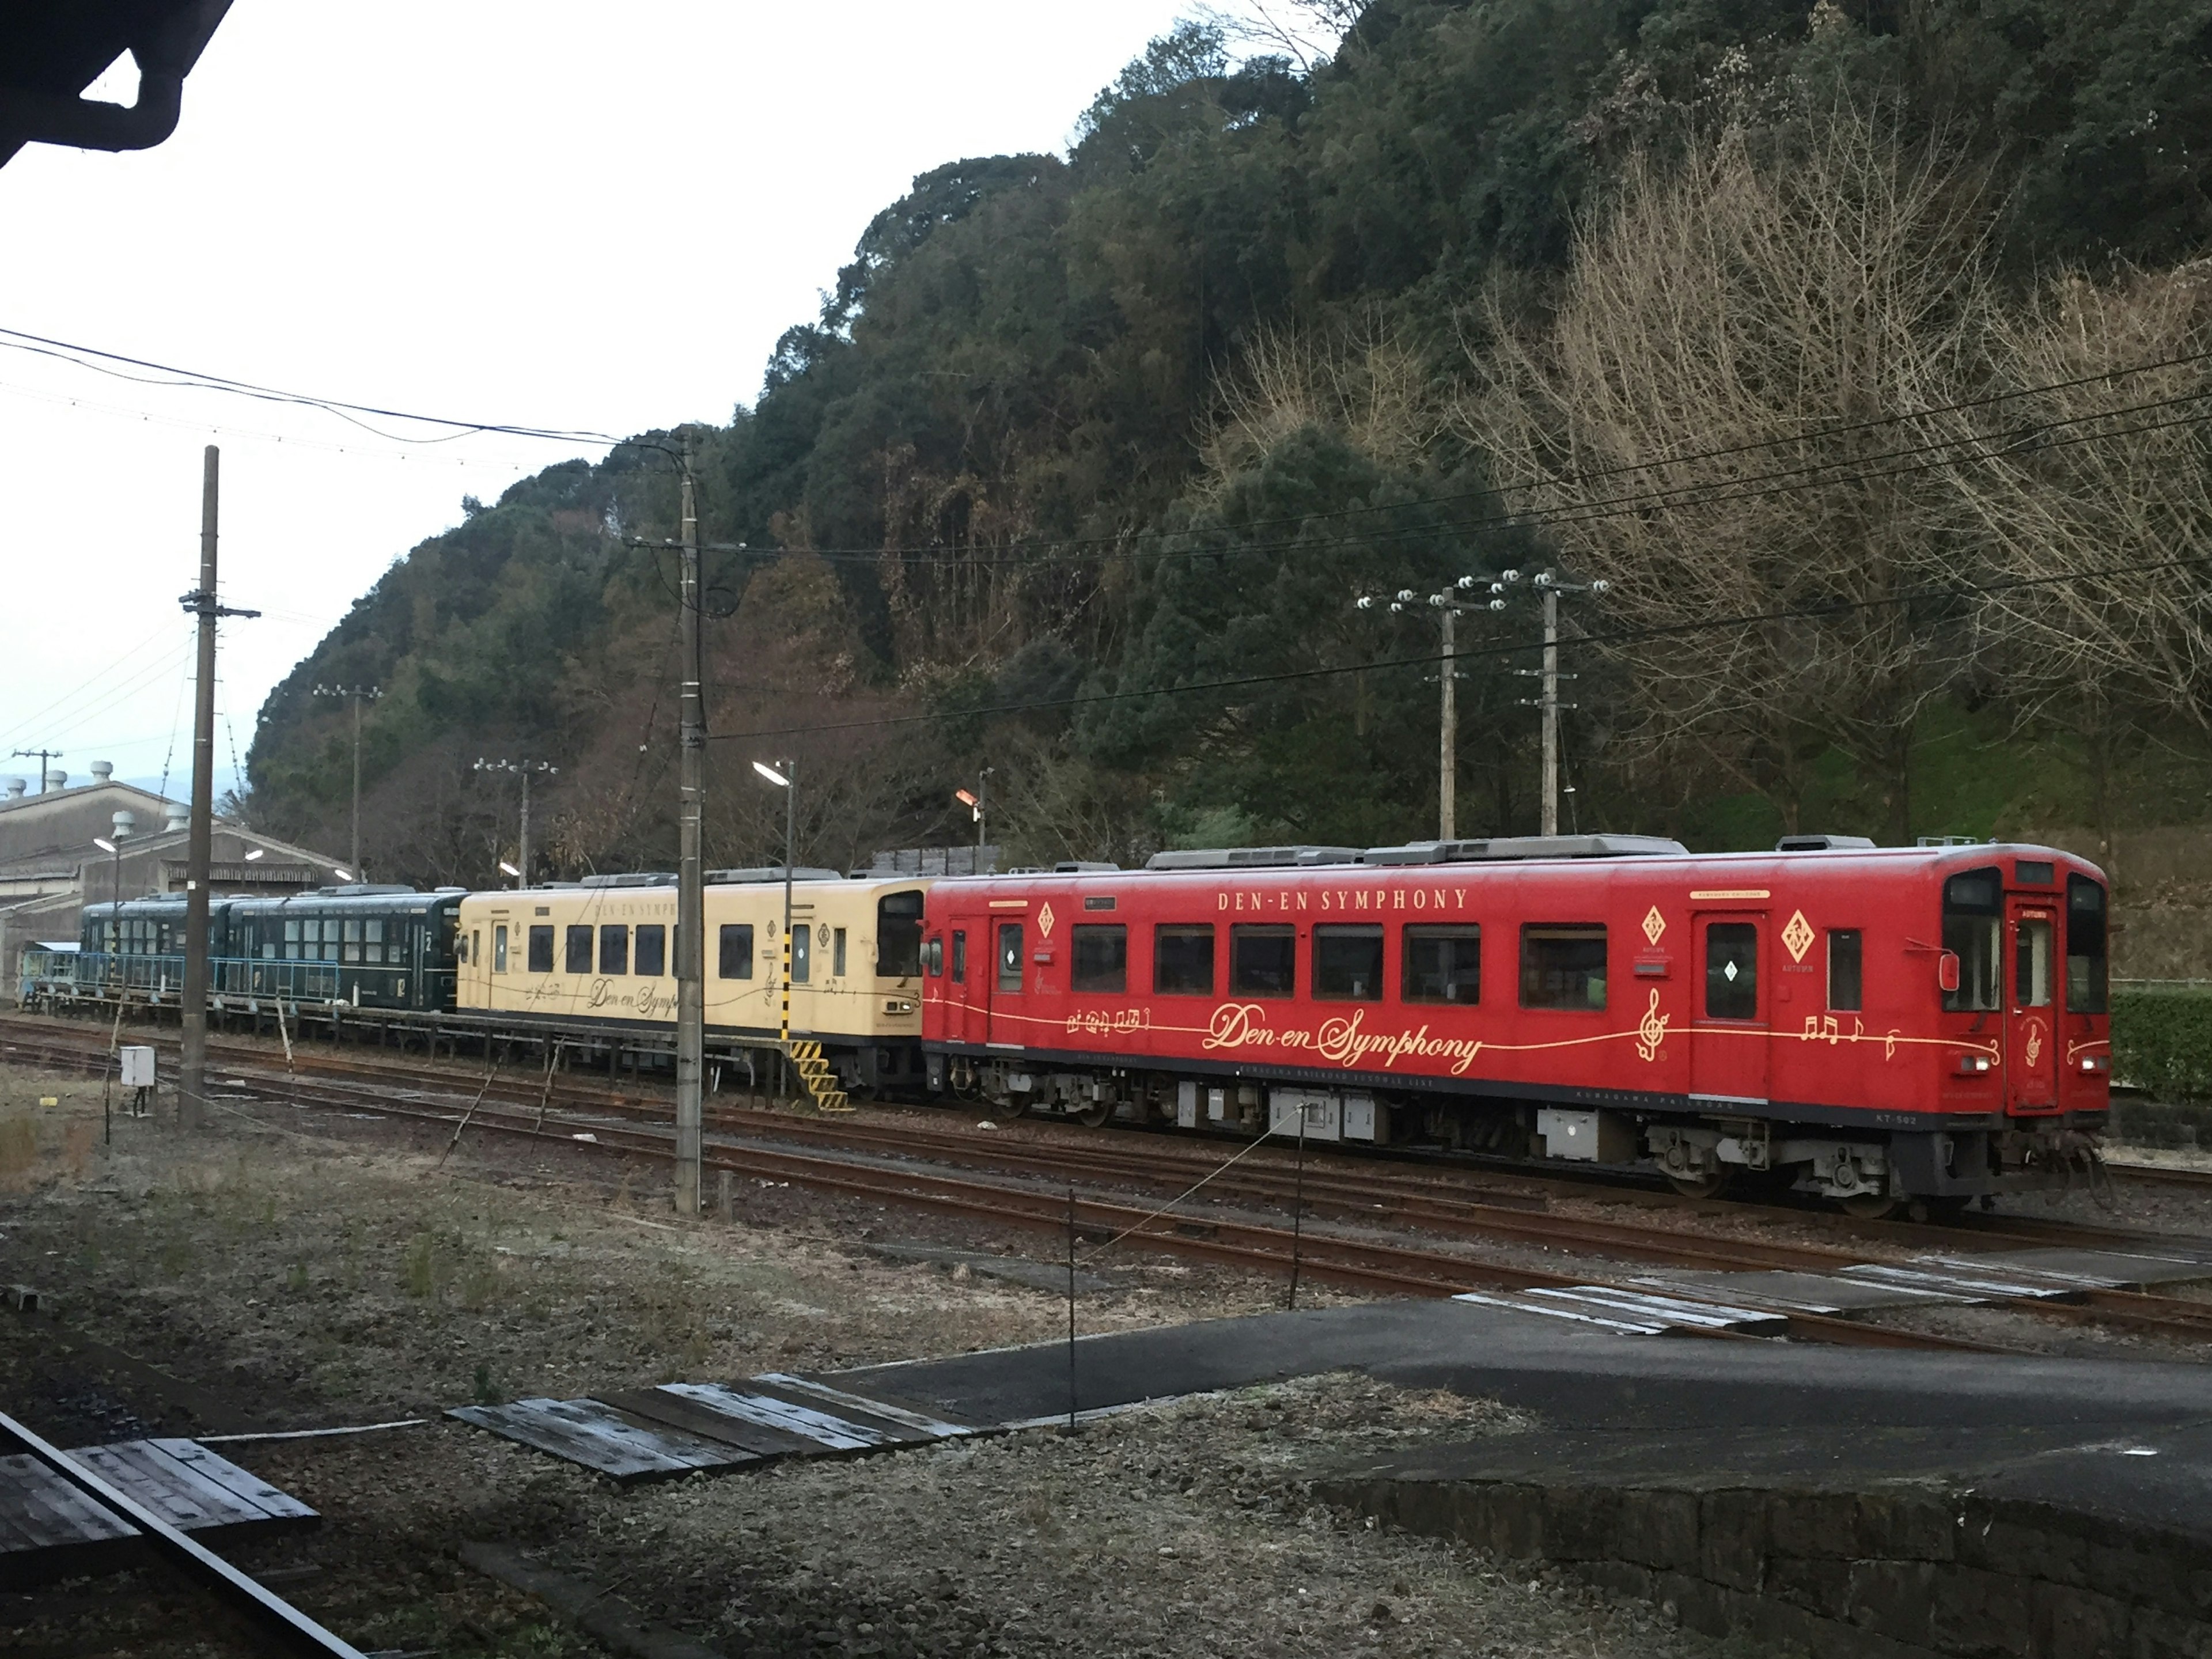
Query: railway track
<point x="1032" y="1182"/>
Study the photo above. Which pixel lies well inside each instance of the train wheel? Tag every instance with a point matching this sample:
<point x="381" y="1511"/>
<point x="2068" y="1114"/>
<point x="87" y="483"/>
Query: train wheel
<point x="1710" y="1185"/>
<point x="1868" y="1207"/>
<point x="1093" y="1116"/>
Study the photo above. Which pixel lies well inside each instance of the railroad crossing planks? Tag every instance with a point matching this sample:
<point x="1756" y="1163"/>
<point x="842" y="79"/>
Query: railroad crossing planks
<point x="643" y="1433"/>
<point x="49" y="1531"/>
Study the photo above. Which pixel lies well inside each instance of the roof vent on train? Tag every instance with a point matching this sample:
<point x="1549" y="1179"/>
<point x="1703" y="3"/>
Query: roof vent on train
<point x="631" y="878"/>
<point x="1499" y="847"/>
<point x="1824" y="843"/>
<point x="362" y="890"/>
<point x="773" y="872"/>
<point x="1251" y="858"/>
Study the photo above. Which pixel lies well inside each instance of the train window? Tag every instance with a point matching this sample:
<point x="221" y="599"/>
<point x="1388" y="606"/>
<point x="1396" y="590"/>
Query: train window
<point x="353" y="941"/>
<point x="1010" y="956"/>
<point x="1845" y="971"/>
<point x="1563" y="965"/>
<point x="312" y="930"/>
<point x="2034" y="872"/>
<point x="541" y="949"/>
<point x="372" y="935"/>
<point x="1731" y="971"/>
<point x="580" y="949"/>
<point x="2031" y="965"/>
<point x="1263" y="962"/>
<point x="1972" y="923"/>
<point x="932" y="957"/>
<point x="331" y="940"/>
<point x="614" y="948"/>
<point x="736" y="947"/>
<point x="652" y="950"/>
<point x="837" y="954"/>
<point x="959" y="956"/>
<point x="1101" y="960"/>
<point x="1182" y="960"/>
<point x="1443" y="964"/>
<point x="2086" y="985"/>
<point x="499" y="949"/>
<point x="898" y="936"/>
<point x="802" y="953"/>
<point x="292" y="939"/>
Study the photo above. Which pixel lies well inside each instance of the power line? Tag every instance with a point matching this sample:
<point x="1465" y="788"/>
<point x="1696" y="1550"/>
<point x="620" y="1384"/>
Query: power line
<point x="1432" y="660"/>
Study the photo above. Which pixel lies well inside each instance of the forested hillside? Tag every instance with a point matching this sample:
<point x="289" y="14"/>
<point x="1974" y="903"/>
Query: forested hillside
<point x="1858" y="345"/>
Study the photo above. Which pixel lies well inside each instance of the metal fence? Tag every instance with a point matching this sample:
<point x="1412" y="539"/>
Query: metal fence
<point x="52" y="973"/>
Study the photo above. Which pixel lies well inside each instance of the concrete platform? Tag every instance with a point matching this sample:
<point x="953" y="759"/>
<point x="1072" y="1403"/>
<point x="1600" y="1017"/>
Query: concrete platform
<point x="1872" y="1504"/>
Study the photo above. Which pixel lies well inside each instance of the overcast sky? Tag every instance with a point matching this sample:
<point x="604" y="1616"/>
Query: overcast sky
<point x="546" y="213"/>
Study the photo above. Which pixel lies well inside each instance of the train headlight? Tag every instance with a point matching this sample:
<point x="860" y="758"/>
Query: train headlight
<point x="1973" y="1064"/>
<point x="2096" y="1062"/>
<point x="899" y="1006"/>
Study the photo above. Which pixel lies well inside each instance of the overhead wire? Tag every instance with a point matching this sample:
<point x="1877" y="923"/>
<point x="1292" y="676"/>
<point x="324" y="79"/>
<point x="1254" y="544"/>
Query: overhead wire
<point x="1433" y="658"/>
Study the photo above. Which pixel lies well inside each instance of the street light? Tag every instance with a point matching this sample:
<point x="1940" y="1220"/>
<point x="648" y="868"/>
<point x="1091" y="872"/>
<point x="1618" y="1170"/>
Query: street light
<point x="342" y="874"/>
<point x="507" y="869"/>
<point x="254" y="852"/>
<point x="523" y="769"/>
<point x="782" y="775"/>
<point x="978" y="803"/>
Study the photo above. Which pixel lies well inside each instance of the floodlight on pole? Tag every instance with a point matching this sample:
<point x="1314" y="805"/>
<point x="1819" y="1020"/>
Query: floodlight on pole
<point x="103" y="843"/>
<point x="507" y="869"/>
<point x="772" y="775"/>
<point x="115" y="909"/>
<point x="254" y="852"/>
<point x="343" y="875"/>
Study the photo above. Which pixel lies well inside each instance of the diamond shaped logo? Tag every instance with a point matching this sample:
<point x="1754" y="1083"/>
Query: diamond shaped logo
<point x="1654" y="924"/>
<point x="1798" y="936"/>
<point x="1044" y="920"/>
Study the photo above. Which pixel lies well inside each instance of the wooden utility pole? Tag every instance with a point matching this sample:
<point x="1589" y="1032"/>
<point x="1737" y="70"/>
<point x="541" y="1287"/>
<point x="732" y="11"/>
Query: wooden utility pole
<point x="201" y="601"/>
<point x="690" y="892"/>
<point x="360" y="694"/>
<point x="1548" y="809"/>
<point x="1448" y="756"/>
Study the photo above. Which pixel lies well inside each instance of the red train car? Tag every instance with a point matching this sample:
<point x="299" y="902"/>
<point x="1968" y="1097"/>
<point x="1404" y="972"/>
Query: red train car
<point x="1873" y="1024"/>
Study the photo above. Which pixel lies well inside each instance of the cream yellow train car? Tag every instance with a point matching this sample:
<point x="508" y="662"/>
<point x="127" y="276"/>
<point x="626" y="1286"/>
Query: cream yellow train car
<point x="597" y="957"/>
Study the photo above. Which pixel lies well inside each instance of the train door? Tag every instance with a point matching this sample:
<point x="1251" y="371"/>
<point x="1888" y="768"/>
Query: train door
<point x="967" y="996"/>
<point x="2031" y="1064"/>
<point x="1006" y="968"/>
<point x="1729" y="1029"/>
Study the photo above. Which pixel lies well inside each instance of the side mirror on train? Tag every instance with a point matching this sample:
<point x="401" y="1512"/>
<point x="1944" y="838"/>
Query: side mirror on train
<point x="1946" y="971"/>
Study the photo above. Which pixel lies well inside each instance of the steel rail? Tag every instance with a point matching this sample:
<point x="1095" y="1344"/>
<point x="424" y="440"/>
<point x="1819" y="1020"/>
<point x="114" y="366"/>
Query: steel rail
<point x="271" y="1613"/>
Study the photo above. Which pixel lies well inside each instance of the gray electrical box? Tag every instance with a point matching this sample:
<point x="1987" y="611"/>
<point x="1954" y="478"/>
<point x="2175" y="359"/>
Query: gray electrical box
<point x="137" y="1068"/>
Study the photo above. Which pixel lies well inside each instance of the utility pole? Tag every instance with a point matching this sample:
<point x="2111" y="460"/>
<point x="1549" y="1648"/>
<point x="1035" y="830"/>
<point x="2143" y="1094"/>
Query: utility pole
<point x="360" y="694"/>
<point x="192" y="1078"/>
<point x="44" y="755"/>
<point x="690" y="892"/>
<point x="521" y="769"/>
<point x="1448" y="749"/>
<point x="1550" y="695"/>
<point x="1550" y="584"/>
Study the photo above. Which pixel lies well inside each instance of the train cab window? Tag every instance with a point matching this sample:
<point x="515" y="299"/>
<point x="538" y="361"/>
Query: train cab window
<point x="1010" y="956"/>
<point x="959" y="956"/>
<point x="372" y="938"/>
<point x="1732" y="970"/>
<point x="1563" y="965"/>
<point x="579" y="949"/>
<point x="652" y="950"/>
<point x="1100" y="959"/>
<point x="1846" y="966"/>
<point x="353" y="941"/>
<point x="614" y="948"/>
<point x="898" y="935"/>
<point x="932" y="957"/>
<point x="1182" y="960"/>
<point x="735" y="946"/>
<point x="499" y="949"/>
<point x="1972" y="923"/>
<point x="1263" y="962"/>
<point x="541" y="950"/>
<point x="2086" y="991"/>
<point x="802" y="953"/>
<point x="1443" y="964"/>
<point x="837" y="954"/>
<point x="2031" y="965"/>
